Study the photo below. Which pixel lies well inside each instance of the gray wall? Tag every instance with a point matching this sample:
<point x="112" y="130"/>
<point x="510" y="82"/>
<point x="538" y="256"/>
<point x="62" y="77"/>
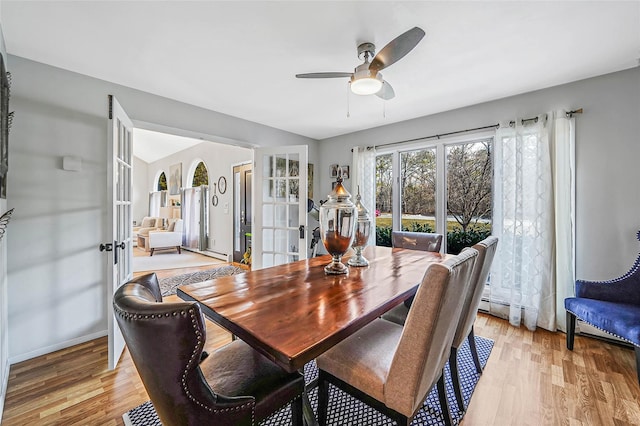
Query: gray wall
<point x="607" y="155"/>
<point x="56" y="275"/>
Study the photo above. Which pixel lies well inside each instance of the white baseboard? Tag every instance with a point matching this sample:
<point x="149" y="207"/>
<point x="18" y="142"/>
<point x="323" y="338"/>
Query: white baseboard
<point x="52" y="348"/>
<point x="216" y="255"/>
<point x="222" y="256"/>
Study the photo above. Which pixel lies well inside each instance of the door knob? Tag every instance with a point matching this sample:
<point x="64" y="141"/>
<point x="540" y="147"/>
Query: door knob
<point x="106" y="247"/>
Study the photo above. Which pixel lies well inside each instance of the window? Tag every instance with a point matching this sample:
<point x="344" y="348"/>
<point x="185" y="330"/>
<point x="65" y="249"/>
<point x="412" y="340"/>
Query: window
<point x="444" y="187"/>
<point x="200" y="176"/>
<point x="418" y="190"/>
<point x="384" y="197"/>
<point x="469" y="193"/>
<point x="162" y="182"/>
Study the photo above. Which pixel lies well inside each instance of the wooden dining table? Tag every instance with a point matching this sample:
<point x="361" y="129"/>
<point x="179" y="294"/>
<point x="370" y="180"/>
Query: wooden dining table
<point x="294" y="312"/>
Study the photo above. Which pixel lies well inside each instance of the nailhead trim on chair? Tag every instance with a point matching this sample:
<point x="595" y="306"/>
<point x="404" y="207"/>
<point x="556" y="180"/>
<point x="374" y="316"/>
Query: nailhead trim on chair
<point x="199" y="346"/>
<point x="608" y="332"/>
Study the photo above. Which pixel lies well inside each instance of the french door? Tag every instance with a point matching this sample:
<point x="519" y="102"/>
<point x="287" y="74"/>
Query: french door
<point x="280" y="206"/>
<point x="119" y="222"/>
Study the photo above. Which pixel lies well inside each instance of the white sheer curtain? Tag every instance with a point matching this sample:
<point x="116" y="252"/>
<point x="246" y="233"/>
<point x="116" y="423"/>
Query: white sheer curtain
<point x="563" y="162"/>
<point x="363" y="172"/>
<point x="155" y="202"/>
<point x="533" y="218"/>
<point x="191" y="217"/>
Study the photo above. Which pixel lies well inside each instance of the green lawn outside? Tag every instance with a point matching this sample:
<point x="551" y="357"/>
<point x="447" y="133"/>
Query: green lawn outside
<point x="451" y="225"/>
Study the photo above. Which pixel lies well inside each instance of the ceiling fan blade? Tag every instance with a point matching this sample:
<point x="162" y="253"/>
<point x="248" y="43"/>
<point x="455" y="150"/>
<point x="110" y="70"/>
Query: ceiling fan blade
<point x="386" y="92"/>
<point x="324" y="75"/>
<point x="397" y="49"/>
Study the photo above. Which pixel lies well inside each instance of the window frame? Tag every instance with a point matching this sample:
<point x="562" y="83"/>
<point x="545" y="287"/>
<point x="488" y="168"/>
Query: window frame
<point x="440" y="146"/>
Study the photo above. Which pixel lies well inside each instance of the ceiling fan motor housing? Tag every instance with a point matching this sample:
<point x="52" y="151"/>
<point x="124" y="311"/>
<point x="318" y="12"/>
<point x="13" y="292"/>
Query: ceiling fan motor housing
<point x="368" y="48"/>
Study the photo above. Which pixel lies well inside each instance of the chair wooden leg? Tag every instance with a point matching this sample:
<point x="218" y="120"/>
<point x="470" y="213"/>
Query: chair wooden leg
<point x="571" y="330"/>
<point x="638" y="362"/>
<point x="151" y="252"/>
<point x="323" y="399"/>
<point x="455" y="378"/>
<point x="296" y="412"/>
<point x="471" y="338"/>
<point x="444" y="405"/>
<point x="178" y="247"/>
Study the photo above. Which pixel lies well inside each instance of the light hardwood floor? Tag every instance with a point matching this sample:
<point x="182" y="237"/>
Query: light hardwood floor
<point x="530" y="379"/>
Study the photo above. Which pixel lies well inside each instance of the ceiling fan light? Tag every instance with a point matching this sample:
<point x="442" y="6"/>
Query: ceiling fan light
<point x="365" y="82"/>
<point x="366" y="86"/>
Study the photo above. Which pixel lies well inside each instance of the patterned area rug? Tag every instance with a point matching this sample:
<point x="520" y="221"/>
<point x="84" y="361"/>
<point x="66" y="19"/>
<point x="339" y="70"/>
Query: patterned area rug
<point x="346" y="410"/>
<point x="169" y="285"/>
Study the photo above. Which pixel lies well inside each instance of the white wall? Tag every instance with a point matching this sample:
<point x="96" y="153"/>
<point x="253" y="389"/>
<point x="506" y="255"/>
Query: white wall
<point x="141" y="189"/>
<point x="56" y="275"/>
<point x="219" y="160"/>
<point x="607" y="153"/>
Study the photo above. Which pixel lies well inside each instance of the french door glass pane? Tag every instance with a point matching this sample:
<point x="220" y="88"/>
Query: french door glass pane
<point x="418" y="190"/>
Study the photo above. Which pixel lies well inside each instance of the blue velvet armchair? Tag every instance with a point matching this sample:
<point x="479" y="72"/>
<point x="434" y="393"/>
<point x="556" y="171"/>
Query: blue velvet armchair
<point x="612" y="306"/>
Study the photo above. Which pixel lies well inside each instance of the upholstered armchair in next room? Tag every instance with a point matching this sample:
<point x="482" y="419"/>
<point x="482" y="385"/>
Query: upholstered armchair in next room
<point x="612" y="306"/>
<point x="171" y="238"/>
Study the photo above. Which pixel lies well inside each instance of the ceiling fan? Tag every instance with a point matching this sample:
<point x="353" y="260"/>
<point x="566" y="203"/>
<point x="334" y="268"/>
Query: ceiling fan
<point x="366" y="78"/>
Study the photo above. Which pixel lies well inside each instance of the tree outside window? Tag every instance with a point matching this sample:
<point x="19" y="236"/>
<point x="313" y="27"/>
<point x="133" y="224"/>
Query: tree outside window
<point x="162" y="182"/>
<point x="200" y="176"/>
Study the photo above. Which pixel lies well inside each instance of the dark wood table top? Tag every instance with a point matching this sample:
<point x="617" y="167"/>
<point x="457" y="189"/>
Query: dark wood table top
<point x="292" y="313"/>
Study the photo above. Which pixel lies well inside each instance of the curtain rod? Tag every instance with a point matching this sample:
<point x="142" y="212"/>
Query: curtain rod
<point x="491" y="126"/>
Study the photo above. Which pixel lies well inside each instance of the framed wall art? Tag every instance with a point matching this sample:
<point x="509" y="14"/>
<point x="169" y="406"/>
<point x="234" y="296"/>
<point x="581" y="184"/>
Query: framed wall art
<point x="5" y="120"/>
<point x="175" y="179"/>
<point x="310" y="180"/>
<point x="344" y="172"/>
<point x="335" y="170"/>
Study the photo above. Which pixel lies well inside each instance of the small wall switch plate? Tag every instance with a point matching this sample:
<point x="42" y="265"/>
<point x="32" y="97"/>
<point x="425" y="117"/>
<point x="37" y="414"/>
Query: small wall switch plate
<point x="72" y="164"/>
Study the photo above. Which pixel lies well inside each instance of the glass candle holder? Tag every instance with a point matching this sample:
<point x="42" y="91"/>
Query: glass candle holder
<point x="337" y="225"/>
<point x="362" y="233"/>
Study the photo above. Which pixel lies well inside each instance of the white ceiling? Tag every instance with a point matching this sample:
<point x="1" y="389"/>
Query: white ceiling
<point x="151" y="146"/>
<point x="240" y="57"/>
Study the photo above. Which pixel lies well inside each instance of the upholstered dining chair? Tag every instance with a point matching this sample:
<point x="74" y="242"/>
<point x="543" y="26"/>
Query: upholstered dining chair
<point x="393" y="368"/>
<point x="464" y="330"/>
<point x="486" y="252"/>
<point x="424" y="241"/>
<point x="232" y="386"/>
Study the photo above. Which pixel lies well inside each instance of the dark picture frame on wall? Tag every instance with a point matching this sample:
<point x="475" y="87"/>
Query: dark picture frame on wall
<point x="4" y="128"/>
<point x="344" y="172"/>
